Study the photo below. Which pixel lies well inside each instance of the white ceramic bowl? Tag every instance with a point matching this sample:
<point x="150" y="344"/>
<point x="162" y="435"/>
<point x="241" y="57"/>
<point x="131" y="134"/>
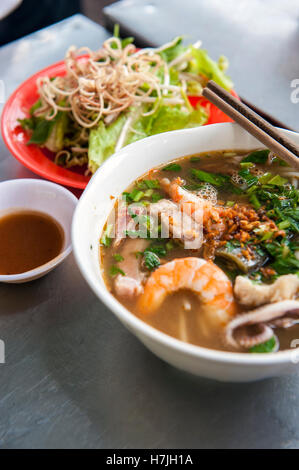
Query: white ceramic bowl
<point x="91" y="214"/>
<point x="42" y="196"/>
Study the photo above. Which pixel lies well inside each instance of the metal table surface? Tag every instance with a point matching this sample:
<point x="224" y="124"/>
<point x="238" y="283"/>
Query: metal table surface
<point x="74" y="377"/>
<point x="260" y="38"/>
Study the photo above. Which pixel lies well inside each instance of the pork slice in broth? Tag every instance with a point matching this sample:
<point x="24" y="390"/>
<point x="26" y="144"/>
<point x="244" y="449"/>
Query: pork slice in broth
<point x="130" y="284"/>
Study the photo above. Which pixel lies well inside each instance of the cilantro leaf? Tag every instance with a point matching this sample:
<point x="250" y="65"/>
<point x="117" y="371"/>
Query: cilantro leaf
<point x="118" y="257"/>
<point x="151" y="260"/>
<point x="114" y="270"/>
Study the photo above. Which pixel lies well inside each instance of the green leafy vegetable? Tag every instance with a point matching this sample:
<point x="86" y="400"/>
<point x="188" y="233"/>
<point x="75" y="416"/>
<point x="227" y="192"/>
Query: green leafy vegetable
<point x="148" y="184"/>
<point x="28" y="124"/>
<point x="216" y="179"/>
<point x="151" y="260"/>
<point x="277" y="180"/>
<point x="249" y="178"/>
<point x="283" y="256"/>
<point x="255" y="202"/>
<point x="166" y="118"/>
<point x="258" y="156"/>
<point x="106" y="239"/>
<point x="269" y="346"/>
<point x="136" y="195"/>
<point x="202" y="64"/>
<point x="118" y="257"/>
<point x="170" y="118"/>
<point x="157" y="247"/>
<point x="114" y="270"/>
<point x="55" y="140"/>
<point x="102" y="141"/>
<point x="156" y="196"/>
<point x="172" y="167"/>
<point x="41" y="132"/>
<point x="174" y="50"/>
<point x="35" y="107"/>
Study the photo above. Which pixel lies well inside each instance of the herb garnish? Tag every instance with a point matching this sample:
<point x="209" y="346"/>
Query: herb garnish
<point x="114" y="270"/>
<point x="172" y="167"/>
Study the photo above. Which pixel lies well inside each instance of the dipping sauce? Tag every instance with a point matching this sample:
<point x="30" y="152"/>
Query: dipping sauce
<point x="28" y="239"/>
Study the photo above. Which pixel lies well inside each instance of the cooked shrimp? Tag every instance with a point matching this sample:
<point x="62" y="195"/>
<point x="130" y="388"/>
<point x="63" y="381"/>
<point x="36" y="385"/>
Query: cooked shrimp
<point x="199" y="208"/>
<point x="204" y="278"/>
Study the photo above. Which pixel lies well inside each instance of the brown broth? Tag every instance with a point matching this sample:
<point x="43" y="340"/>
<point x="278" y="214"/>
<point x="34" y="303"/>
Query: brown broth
<point x="28" y="239"/>
<point x="171" y="318"/>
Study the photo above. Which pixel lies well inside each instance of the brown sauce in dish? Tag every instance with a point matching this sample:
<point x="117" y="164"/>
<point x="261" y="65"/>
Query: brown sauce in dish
<point x="28" y="239"/>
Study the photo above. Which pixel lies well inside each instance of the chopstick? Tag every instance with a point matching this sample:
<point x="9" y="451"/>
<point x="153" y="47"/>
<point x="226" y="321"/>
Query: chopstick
<point x="271" y="137"/>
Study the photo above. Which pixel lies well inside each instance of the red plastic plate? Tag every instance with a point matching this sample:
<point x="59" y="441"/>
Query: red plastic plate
<point x="32" y="156"/>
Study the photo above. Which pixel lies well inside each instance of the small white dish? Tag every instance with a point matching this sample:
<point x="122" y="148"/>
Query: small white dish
<point x="117" y="173"/>
<point x="42" y="196"/>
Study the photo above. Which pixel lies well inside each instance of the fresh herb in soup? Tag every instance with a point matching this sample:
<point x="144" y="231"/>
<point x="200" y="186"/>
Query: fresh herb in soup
<point x="206" y="249"/>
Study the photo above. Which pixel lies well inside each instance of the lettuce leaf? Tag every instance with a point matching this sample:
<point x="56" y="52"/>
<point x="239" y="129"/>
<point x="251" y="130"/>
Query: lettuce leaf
<point x="102" y="142"/>
<point x="55" y="140"/>
<point x="166" y="118"/>
<point x="173" y="118"/>
<point x="202" y="64"/>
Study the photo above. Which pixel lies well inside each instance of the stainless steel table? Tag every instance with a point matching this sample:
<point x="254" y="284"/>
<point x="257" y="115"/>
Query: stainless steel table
<point x="74" y="377"/>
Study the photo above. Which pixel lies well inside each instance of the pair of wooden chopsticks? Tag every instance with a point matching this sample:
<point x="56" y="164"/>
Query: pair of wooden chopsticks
<point x="271" y="137"/>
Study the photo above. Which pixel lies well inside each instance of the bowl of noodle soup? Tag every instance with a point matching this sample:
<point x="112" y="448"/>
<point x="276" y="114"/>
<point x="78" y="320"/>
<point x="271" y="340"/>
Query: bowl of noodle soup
<point x="115" y="178"/>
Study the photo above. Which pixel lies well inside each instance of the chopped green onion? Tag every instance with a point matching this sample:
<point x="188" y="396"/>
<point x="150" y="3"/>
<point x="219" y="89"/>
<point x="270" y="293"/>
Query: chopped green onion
<point x="265" y="178"/>
<point x="148" y="184"/>
<point x="266" y="236"/>
<point x="284" y="224"/>
<point x="251" y="189"/>
<point x="255" y="202"/>
<point x="136" y="195"/>
<point x="278" y="180"/>
<point x="118" y="257"/>
<point x="172" y="167"/>
<point x="229" y="154"/>
<point x="246" y="165"/>
<point x="148" y="193"/>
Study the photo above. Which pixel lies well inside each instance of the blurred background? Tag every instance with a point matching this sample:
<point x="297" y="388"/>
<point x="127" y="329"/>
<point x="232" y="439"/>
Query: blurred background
<point x="21" y="17"/>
